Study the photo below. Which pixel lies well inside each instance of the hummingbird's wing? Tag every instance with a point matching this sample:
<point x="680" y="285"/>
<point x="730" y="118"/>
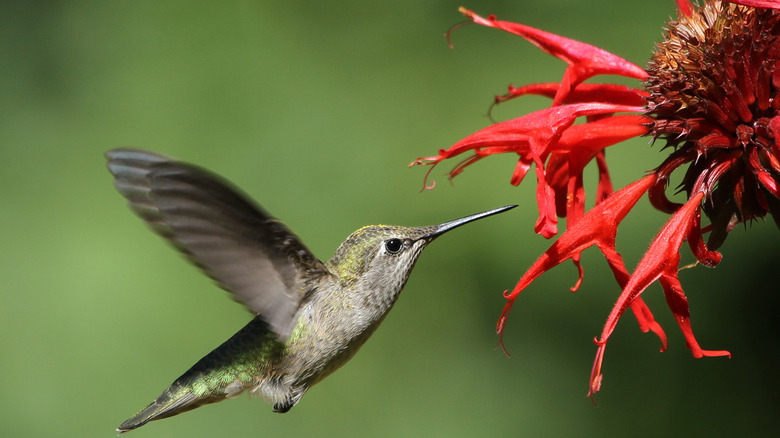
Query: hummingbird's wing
<point x="249" y="253"/>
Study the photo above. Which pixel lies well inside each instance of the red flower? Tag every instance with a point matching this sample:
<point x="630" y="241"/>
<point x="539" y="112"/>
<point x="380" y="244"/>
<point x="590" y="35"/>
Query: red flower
<point x="711" y="92"/>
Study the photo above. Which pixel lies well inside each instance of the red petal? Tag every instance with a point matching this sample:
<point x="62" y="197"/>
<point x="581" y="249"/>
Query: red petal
<point x="604" y="93"/>
<point x="585" y="60"/>
<point x="685" y="7"/>
<point x="575" y="198"/>
<point x="657" y="193"/>
<point x="598" y="227"/>
<point x="769" y="4"/>
<point x="646" y="320"/>
<point x="678" y="303"/>
<point x="583" y="143"/>
<point x="604" y="188"/>
<point x="769" y="182"/>
<point x="532" y="133"/>
<point x="698" y="247"/>
<point x="535" y="135"/>
<point x="590" y="138"/>
<point x="766" y="179"/>
<point x="774" y="126"/>
<point x="520" y="170"/>
<point x="660" y="262"/>
<point x="558" y="176"/>
<point x="642" y="313"/>
<point x="547" y="224"/>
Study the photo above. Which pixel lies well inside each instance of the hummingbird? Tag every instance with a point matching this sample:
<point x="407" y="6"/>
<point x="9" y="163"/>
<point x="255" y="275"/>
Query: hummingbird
<point x="311" y="317"/>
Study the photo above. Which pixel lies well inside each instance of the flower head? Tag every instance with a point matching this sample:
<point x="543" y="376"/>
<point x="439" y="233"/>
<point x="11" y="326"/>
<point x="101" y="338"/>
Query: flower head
<point x="711" y="92"/>
<point x="720" y="115"/>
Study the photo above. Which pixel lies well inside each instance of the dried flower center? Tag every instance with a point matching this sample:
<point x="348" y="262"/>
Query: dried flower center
<point x="714" y="84"/>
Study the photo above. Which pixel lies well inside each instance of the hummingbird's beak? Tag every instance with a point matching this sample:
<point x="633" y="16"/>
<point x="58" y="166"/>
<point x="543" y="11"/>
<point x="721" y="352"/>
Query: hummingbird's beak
<point x="447" y="226"/>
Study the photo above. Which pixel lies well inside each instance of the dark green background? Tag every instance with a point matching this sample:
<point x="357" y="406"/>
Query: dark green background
<point x="315" y="109"/>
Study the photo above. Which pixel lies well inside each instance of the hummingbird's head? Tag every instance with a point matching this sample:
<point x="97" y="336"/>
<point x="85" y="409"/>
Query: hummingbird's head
<point x="378" y="259"/>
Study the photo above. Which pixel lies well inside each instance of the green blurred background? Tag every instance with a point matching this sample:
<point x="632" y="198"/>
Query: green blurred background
<point x="315" y="109"/>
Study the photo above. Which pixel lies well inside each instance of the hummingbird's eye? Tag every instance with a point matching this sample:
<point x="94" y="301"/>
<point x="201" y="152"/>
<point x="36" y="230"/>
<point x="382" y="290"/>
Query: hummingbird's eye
<point x="393" y="245"/>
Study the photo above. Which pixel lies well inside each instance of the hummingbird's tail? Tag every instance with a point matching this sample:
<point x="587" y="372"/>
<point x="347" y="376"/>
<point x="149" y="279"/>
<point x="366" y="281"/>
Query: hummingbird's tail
<point x="174" y="400"/>
<point x="224" y="373"/>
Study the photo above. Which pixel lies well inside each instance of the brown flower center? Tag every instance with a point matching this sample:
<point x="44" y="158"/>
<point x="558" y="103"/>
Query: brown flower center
<point x="714" y="96"/>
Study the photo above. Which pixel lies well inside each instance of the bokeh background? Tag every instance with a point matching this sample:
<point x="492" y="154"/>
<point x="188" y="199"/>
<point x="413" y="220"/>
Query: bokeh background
<point x="315" y="109"/>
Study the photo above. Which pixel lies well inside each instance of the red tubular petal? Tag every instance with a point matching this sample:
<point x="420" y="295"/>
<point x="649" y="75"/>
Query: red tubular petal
<point x="646" y="323"/>
<point x="769" y="4"/>
<point x="535" y="135"/>
<point x="766" y="179"/>
<point x="557" y="171"/>
<point x="685" y="7"/>
<point x="597" y="227"/>
<point x="585" y="60"/>
<point x="772" y="159"/>
<point x="520" y="171"/>
<point x="547" y="224"/>
<point x="604" y="187"/>
<point x="534" y="132"/>
<point x="774" y="126"/>
<point x="641" y="311"/>
<point x="657" y="196"/>
<point x="661" y="260"/>
<point x="657" y="193"/>
<point x="580" y="272"/>
<point x="575" y="205"/>
<point x="604" y="93"/>
<point x="594" y="136"/>
<point x="678" y="303"/>
<point x="595" y="373"/>
<point x="763" y="89"/>
<point x="548" y="89"/>
<point x="578" y="145"/>
<point x="769" y="182"/>
<point x="698" y="247"/>
<point x="646" y="320"/>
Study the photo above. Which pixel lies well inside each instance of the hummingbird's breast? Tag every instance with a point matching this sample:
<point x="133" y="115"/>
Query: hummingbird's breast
<point x="332" y="325"/>
<point x="331" y="328"/>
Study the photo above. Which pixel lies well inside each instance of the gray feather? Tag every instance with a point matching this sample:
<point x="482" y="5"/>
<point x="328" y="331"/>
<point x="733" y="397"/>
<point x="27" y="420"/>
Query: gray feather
<point x="245" y="250"/>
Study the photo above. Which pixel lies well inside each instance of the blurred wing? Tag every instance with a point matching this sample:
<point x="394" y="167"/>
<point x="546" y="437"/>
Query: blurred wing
<point x="249" y="253"/>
